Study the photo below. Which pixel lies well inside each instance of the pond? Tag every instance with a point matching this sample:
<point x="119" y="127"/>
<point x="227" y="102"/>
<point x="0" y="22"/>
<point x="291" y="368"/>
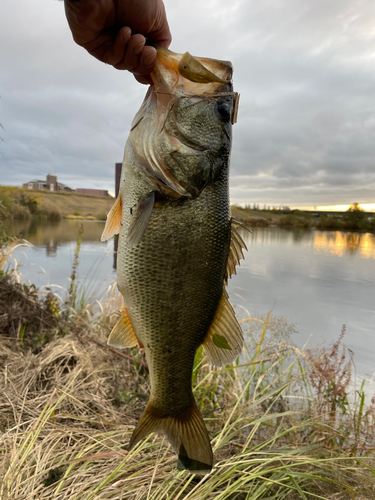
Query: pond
<point x="318" y="280"/>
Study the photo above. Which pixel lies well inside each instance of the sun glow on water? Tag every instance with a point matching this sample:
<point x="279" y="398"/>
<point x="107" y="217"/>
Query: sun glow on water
<point x="340" y="243"/>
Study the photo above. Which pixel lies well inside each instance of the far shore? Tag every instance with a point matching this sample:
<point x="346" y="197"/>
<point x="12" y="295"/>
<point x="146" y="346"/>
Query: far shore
<point x="23" y="204"/>
<point x="351" y="220"/>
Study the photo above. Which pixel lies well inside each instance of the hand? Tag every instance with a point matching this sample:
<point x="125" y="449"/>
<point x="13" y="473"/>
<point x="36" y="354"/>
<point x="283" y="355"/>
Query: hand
<point x="114" y="31"/>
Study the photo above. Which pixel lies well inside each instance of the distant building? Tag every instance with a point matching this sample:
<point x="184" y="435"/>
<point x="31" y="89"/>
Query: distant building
<point x="50" y="184"/>
<point x="92" y="192"/>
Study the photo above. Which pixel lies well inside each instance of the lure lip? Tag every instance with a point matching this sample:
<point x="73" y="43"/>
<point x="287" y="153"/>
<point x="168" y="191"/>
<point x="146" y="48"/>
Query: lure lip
<point x="189" y="74"/>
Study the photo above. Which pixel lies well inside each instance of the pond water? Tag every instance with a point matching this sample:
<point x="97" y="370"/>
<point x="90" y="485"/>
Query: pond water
<point x="317" y="280"/>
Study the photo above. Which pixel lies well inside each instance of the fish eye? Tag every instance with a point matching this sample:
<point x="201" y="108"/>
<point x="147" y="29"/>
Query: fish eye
<point x="223" y="111"/>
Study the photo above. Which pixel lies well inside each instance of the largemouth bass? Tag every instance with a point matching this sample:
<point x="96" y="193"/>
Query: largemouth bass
<point x="178" y="244"/>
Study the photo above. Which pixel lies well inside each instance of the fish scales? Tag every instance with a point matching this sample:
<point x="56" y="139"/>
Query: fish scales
<point x="181" y="302"/>
<point x="175" y="244"/>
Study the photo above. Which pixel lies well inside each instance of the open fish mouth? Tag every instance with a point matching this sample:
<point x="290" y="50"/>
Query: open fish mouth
<point x="190" y="75"/>
<point x="176" y="77"/>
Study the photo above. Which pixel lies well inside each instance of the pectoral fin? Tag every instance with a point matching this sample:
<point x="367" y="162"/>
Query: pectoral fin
<point x="237" y="245"/>
<point x="113" y="223"/>
<point x="123" y="334"/>
<point x="224" y="340"/>
<point x="141" y="218"/>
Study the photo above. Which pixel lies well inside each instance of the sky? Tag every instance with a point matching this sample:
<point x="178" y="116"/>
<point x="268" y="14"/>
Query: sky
<point x="305" y="135"/>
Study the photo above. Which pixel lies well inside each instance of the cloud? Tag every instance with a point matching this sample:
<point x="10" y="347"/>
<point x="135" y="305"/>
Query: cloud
<point x="306" y="126"/>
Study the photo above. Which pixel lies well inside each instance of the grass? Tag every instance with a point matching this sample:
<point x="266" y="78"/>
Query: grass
<point x="281" y="420"/>
<point x="20" y="203"/>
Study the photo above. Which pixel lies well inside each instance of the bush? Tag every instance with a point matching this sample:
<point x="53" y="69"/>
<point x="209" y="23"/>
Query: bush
<point x="304" y="215"/>
<point x="5" y="204"/>
<point x="51" y="215"/>
<point x="19" y="212"/>
<point x="101" y="216"/>
<point x="292" y="220"/>
<point x="329" y="223"/>
<point x="366" y="225"/>
<point x="27" y="200"/>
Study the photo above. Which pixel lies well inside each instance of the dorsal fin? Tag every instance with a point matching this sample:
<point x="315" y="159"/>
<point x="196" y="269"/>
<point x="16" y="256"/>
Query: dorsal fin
<point x="237" y="245"/>
<point x="224" y="340"/>
<point x="140" y="218"/>
<point x="113" y="222"/>
<point x="123" y="334"/>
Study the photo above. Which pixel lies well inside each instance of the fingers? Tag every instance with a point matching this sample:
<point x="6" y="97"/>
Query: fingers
<point x="128" y="52"/>
<point x="116" y="54"/>
<point x="145" y="80"/>
<point x="136" y="57"/>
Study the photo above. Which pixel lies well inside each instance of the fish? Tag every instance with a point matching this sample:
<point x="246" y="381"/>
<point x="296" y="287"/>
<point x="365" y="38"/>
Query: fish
<point x="178" y="244"/>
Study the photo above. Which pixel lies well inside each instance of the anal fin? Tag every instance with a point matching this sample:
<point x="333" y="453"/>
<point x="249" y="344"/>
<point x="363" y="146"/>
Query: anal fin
<point x="224" y="341"/>
<point x="139" y="222"/>
<point x="123" y="334"/>
<point x="113" y="222"/>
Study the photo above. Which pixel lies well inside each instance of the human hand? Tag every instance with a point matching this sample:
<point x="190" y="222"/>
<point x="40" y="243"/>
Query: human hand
<point x="114" y="31"/>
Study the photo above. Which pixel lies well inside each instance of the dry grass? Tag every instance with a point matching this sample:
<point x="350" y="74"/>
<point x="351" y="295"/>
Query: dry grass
<point x="67" y="414"/>
<point x="68" y="409"/>
<point x="48" y="202"/>
<point x="75" y="204"/>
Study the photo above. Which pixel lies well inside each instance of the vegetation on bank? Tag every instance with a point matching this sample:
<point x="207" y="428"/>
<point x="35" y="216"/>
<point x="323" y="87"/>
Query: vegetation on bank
<point x="285" y="423"/>
<point x="23" y="204"/>
<point x="355" y="218"/>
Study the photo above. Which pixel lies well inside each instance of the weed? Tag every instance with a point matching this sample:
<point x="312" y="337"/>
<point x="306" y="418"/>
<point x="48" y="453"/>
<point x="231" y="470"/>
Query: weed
<point x="72" y="301"/>
<point x="330" y="378"/>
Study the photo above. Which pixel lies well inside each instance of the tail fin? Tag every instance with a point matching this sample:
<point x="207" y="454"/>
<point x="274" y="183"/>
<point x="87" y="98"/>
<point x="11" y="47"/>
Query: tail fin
<point x="187" y="435"/>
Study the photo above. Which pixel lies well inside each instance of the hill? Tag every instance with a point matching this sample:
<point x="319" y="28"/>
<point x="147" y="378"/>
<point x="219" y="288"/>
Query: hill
<point x="20" y="203"/>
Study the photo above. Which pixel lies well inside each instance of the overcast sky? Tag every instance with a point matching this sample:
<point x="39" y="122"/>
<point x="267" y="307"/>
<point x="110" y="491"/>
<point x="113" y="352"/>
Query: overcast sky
<point x="305" y="70"/>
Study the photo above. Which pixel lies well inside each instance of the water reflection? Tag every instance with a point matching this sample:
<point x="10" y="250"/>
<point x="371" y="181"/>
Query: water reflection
<point x="49" y="262"/>
<point x="317" y="280"/>
<point x="276" y="236"/>
<point x="339" y="243"/>
<point x="52" y="235"/>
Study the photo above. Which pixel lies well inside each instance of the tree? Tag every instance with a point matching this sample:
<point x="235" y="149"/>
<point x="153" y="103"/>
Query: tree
<point x="355" y="207"/>
<point x="353" y="216"/>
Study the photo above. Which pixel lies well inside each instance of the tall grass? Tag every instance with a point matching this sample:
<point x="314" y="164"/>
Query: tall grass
<point x="281" y="425"/>
<point x="67" y="428"/>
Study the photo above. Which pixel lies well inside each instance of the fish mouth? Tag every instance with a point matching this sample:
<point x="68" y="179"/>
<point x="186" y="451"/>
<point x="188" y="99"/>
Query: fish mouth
<point x="174" y="76"/>
<point x="189" y="74"/>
